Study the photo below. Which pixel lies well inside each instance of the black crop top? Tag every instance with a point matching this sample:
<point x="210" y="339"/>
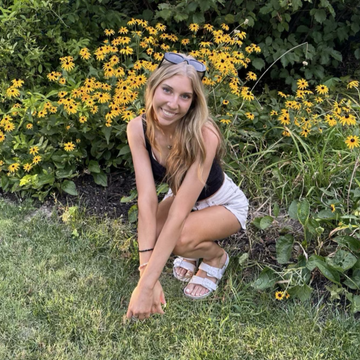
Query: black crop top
<point x="214" y="180"/>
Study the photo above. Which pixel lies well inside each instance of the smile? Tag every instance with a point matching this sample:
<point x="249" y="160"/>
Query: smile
<point x="168" y="113"/>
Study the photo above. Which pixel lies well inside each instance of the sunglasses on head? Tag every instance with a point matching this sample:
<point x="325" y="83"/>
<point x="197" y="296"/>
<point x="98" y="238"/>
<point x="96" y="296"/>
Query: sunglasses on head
<point x="175" y="58"/>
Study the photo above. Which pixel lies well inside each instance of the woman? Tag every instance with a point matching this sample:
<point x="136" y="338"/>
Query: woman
<point x="179" y="143"/>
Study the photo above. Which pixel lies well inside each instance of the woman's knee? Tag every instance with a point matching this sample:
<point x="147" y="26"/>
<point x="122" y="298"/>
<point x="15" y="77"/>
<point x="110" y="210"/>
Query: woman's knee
<point x="186" y="243"/>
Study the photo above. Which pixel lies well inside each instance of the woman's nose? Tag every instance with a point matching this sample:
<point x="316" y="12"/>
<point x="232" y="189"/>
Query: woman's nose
<point x="173" y="102"/>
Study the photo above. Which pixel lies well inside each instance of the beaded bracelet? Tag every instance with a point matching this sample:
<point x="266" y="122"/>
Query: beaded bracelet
<point x="141" y="251"/>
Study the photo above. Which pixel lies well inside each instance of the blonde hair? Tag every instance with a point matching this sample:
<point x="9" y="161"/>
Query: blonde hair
<point x="188" y="142"/>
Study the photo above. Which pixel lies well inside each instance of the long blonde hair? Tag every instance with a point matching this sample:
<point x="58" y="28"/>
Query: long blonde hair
<point x="188" y="142"/>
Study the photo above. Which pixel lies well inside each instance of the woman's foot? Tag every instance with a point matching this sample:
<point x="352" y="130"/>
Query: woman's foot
<point x="184" y="268"/>
<point x="194" y="290"/>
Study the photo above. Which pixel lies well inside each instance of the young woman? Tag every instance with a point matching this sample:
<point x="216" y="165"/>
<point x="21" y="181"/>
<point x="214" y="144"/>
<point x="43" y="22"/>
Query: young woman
<point x="179" y="143"/>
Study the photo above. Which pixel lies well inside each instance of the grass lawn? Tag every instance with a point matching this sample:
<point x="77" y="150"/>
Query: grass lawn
<point x="64" y="297"/>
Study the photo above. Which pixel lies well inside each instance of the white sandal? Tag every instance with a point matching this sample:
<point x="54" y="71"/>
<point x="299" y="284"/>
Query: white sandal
<point x="185" y="264"/>
<point x="211" y="271"/>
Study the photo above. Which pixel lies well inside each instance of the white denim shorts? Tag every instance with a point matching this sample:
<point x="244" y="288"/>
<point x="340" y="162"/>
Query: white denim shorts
<point x="230" y="196"/>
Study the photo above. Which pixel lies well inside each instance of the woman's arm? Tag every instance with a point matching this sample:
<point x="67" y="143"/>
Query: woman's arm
<point x="147" y="198"/>
<point x="183" y="203"/>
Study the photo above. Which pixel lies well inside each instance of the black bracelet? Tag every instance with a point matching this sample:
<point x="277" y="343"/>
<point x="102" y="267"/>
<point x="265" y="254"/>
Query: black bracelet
<point x="146" y="250"/>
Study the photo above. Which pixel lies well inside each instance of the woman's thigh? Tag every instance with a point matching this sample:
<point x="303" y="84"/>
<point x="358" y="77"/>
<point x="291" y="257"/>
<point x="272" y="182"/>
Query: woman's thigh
<point x="209" y="224"/>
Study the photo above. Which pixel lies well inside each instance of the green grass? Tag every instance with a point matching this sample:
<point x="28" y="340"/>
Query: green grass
<point x="64" y="297"/>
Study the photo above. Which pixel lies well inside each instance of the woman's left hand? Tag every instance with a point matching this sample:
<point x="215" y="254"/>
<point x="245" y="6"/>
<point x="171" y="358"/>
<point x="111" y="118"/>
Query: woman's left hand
<point x="143" y="303"/>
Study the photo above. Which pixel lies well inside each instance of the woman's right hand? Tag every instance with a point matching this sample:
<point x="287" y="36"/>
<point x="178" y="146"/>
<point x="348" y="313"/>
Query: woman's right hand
<point x="159" y="293"/>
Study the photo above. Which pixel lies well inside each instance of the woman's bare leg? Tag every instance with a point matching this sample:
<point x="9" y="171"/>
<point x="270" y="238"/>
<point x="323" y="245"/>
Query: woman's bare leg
<point x="201" y="229"/>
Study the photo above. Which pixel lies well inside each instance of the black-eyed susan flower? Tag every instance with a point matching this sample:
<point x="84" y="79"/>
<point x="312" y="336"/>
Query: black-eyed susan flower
<point x="225" y="121"/>
<point x="287" y="295"/>
<point x="17" y="83"/>
<point x="36" y="159"/>
<point x="42" y="113"/>
<point x="305" y="132"/>
<point x="2" y="136"/>
<point x="67" y="65"/>
<point x="286" y="133"/>
<point x="33" y="150"/>
<point x="160" y="27"/>
<point x="250" y="115"/>
<point x="69" y="146"/>
<point x="127" y="115"/>
<point x="247" y="94"/>
<point x="12" y="92"/>
<point x="53" y="76"/>
<point x="282" y="94"/>
<point x="29" y="126"/>
<point x="322" y="89"/>
<point x="185" y="42"/>
<point x="273" y="113"/>
<point x="9" y="126"/>
<point x="208" y="27"/>
<point x="13" y="167"/>
<point x="348" y="119"/>
<point x="194" y="27"/>
<point x="279" y="295"/>
<point x="251" y="76"/>
<point x="332" y="207"/>
<point x="225" y="102"/>
<point x="82" y="119"/>
<point x="302" y="84"/>
<point x="109" y="32"/>
<point x="352" y="142"/>
<point x="85" y="53"/>
<point x="27" y="167"/>
<point x="352" y="84"/>
<point x="62" y="81"/>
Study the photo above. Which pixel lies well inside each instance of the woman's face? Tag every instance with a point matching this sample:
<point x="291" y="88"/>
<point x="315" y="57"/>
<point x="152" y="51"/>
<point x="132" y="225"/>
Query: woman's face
<point x="172" y="99"/>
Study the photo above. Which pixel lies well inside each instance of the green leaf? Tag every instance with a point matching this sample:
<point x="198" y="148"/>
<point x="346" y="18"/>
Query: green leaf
<point x="355" y="304"/>
<point x="326" y="215"/>
<point x="133" y="214"/>
<point x="303" y="211"/>
<point x="107" y="132"/>
<point x="243" y="259"/>
<point x="94" y="167"/>
<point x="302" y="292"/>
<point x="265" y="222"/>
<point x="131" y="197"/>
<point x="293" y="212"/>
<point x="316" y="261"/>
<point x="342" y="261"/>
<point x="69" y="187"/>
<point x="265" y="280"/>
<point x="319" y="15"/>
<point x="284" y="246"/>
<point x="349" y="241"/>
<point x="258" y="63"/>
<point x="354" y="280"/>
<point x="100" y="179"/>
<point x="276" y="209"/>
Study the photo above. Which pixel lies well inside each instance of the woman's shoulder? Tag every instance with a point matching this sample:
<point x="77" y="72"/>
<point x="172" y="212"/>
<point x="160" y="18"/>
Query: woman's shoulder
<point x="210" y="132"/>
<point x="136" y="124"/>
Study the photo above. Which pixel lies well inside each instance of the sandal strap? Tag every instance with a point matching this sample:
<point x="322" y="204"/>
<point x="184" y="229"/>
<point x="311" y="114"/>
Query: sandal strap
<point x="179" y="262"/>
<point x="205" y="282"/>
<point x="214" y="271"/>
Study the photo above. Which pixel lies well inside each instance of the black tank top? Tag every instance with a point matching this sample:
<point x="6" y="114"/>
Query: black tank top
<point x="213" y="182"/>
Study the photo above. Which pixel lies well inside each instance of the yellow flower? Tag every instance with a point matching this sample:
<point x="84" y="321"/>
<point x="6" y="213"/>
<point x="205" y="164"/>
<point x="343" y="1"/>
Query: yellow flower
<point x="29" y="126"/>
<point x="225" y="121"/>
<point x="185" y="41"/>
<point x="36" y="159"/>
<point x="53" y="76"/>
<point x="247" y="94"/>
<point x="69" y="146"/>
<point x="322" y="89"/>
<point x="124" y="30"/>
<point x="126" y="51"/>
<point x="250" y="115"/>
<point x="42" y="113"/>
<point x="251" y="76"/>
<point x="85" y="54"/>
<point x="17" y="83"/>
<point x="282" y="94"/>
<point x="82" y="119"/>
<point x="225" y="102"/>
<point x="128" y="115"/>
<point x="285" y="133"/>
<point x="352" y="84"/>
<point x="225" y="27"/>
<point x="9" y="126"/>
<point x="352" y="141"/>
<point x="287" y="295"/>
<point x="13" y="167"/>
<point x="302" y="84"/>
<point x="67" y="65"/>
<point x="208" y="27"/>
<point x="62" y="81"/>
<point x="109" y="32"/>
<point x="305" y="132"/>
<point x="2" y="136"/>
<point x="160" y="27"/>
<point x="279" y="295"/>
<point x="34" y="150"/>
<point x="27" y="167"/>
<point x="131" y="22"/>
<point x="62" y="94"/>
<point x="194" y="28"/>
<point x="12" y="92"/>
<point x="332" y="206"/>
<point x="348" y="119"/>
<point x="273" y="113"/>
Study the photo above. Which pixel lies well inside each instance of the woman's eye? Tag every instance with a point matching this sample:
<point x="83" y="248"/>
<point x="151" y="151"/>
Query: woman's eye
<point x="186" y="97"/>
<point x="166" y="90"/>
